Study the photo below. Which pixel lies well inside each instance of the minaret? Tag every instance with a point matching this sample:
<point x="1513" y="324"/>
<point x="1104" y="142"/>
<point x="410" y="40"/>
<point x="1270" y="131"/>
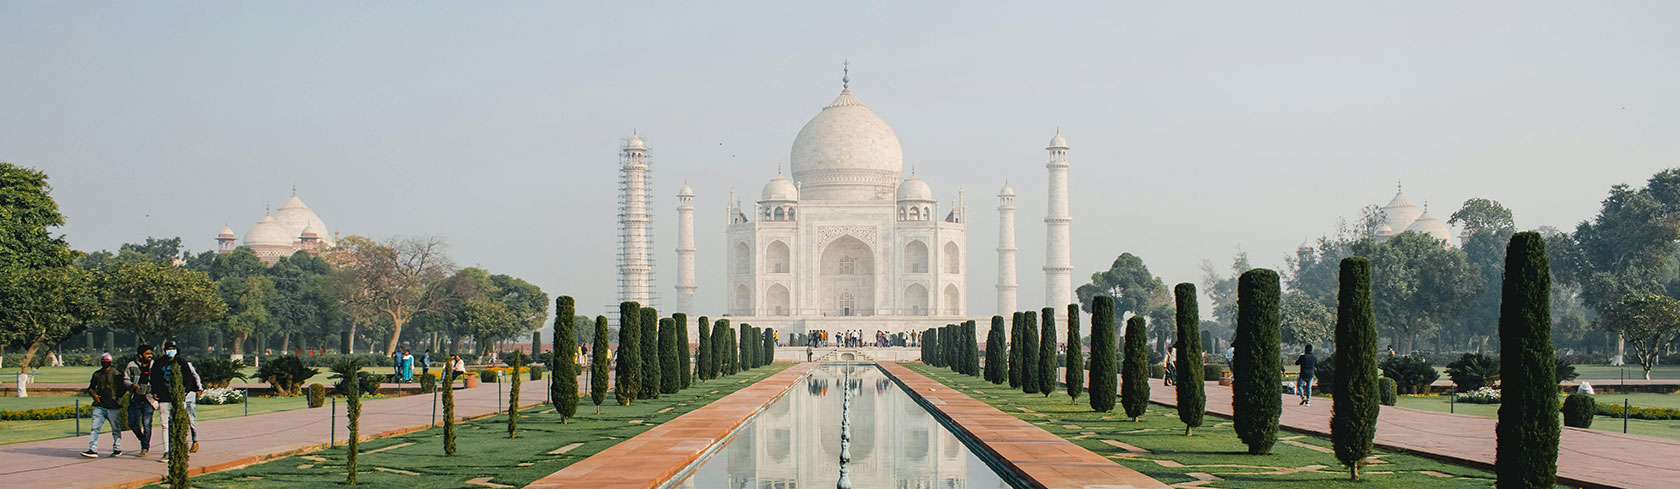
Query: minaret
<point x="634" y="269"/>
<point x="224" y="241"/>
<point x="1058" y="255"/>
<point x="685" y="250"/>
<point x="1006" y="285"/>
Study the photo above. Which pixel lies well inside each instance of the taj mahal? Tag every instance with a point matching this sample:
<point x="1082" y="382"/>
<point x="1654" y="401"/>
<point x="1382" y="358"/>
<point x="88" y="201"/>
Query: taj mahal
<point x="844" y="241"/>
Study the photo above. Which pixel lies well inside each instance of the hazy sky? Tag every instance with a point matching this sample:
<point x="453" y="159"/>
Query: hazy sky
<point x="1196" y="129"/>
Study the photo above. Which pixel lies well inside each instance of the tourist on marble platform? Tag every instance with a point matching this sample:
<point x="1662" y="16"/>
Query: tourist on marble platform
<point x="105" y="387"/>
<point x="141" y="405"/>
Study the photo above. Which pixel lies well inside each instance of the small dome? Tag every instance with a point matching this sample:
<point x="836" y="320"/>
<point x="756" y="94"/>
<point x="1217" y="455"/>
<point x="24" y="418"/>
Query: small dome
<point x="1007" y="191"/>
<point x="1058" y="142"/>
<point x="309" y="232"/>
<point x="915" y="189"/>
<point x="780" y="189"/>
<point x="635" y="142"/>
<point x="227" y="232"/>
<point x="268" y="232"/>
<point x="686" y="191"/>
<point x="1427" y="224"/>
<point x="1400" y="213"/>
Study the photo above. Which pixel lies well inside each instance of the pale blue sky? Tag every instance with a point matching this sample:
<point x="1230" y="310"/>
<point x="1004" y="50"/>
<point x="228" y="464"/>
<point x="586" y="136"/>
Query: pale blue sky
<point x="1196" y="128"/>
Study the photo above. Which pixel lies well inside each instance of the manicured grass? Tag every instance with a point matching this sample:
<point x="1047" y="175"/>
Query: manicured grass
<point x="483" y="447"/>
<point x="1662" y="429"/>
<point x="1297" y="461"/>
<point x="79" y="375"/>
<point x="1605" y="372"/>
<point x="26" y="431"/>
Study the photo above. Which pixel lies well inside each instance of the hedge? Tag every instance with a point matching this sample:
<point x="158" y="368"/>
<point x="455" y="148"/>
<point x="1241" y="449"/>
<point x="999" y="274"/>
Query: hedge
<point x="1386" y="391"/>
<point x="61" y="412"/>
<point x="1636" y="412"/>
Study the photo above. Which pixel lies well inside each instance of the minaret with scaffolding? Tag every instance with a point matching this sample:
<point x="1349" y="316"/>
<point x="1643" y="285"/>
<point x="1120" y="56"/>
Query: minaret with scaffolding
<point x="635" y="225"/>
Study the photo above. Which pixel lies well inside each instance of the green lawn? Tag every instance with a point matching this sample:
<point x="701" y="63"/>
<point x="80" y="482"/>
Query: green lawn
<point x="1297" y="461"/>
<point x="1662" y="429"/>
<point x="79" y="375"/>
<point x="483" y="447"/>
<point x="1598" y="373"/>
<point x="26" y="431"/>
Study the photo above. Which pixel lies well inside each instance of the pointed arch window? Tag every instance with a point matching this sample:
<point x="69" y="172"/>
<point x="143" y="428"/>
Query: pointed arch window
<point x="848" y="265"/>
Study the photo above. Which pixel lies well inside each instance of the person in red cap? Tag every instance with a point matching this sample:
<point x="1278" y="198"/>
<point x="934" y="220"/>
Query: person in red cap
<point x="106" y="388"/>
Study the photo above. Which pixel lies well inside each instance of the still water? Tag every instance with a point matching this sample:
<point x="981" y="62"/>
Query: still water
<point x="795" y="443"/>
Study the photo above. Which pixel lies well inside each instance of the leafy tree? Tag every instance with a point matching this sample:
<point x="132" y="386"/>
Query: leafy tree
<point x="397" y="279"/>
<point x="1222" y="289"/>
<point x="1075" y="356"/>
<point x="1127" y="281"/>
<point x="703" y="357"/>
<point x="1030" y="351"/>
<point x="1488" y="227"/>
<point x="563" y="388"/>
<point x="42" y="306"/>
<point x="248" y="300"/>
<point x="1134" y="370"/>
<point x="1418" y="285"/>
<point x="154" y="249"/>
<point x="159" y="300"/>
<point x="1192" y="402"/>
<point x="629" y="374"/>
<point x="994" y="352"/>
<point x="488" y="319"/>
<point x="1103" y="371"/>
<point x="584" y="329"/>
<point x="1047" y="353"/>
<point x="1256" y="385"/>
<point x="670" y="372"/>
<point x="598" y="365"/>
<point x="1473" y="371"/>
<point x="685" y="373"/>
<point x="1017" y="343"/>
<point x="1353" y="418"/>
<point x="1304" y="320"/>
<point x="1528" y="411"/>
<point x="26" y="212"/>
<point x="302" y="305"/>
<point x="1649" y="323"/>
<point x="651" y="375"/>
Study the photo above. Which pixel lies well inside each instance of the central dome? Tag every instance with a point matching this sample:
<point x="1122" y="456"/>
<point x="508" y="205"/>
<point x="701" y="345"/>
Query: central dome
<point x="847" y="152"/>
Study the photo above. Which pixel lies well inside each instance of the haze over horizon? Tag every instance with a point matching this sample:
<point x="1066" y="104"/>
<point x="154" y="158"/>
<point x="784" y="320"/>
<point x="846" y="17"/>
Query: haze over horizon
<point x="1196" y="130"/>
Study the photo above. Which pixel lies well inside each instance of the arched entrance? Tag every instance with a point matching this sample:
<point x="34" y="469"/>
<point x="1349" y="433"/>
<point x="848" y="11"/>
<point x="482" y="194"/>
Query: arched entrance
<point x="846" y="278"/>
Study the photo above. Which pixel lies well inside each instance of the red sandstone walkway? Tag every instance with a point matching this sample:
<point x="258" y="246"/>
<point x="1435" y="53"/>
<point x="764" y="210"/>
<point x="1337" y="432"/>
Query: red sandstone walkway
<point x="1586" y="458"/>
<point x="233" y="442"/>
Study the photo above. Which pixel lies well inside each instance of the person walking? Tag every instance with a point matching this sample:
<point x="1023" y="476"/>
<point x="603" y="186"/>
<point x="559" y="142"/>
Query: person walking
<point x="1303" y="381"/>
<point x="407" y="366"/>
<point x="163" y="371"/>
<point x="1169" y="374"/>
<point x="106" y="388"/>
<point x="457" y="367"/>
<point x="426" y="363"/>
<point x="396" y="364"/>
<point x="140" y="402"/>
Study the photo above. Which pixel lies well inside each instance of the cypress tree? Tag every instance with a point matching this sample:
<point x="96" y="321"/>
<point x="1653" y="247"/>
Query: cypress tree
<point x="947" y="342"/>
<point x="516" y="361"/>
<point x="931" y="344"/>
<point x="1016" y="341"/>
<point x="1134" y="369"/>
<point x="769" y="355"/>
<point x="1192" y="402"/>
<point x="1103" y="371"/>
<point x="1047" y="353"/>
<point x="669" y="372"/>
<point x="350" y="370"/>
<point x="629" y="374"/>
<point x="562" y="386"/>
<point x="651" y="378"/>
<point x="1075" y="355"/>
<point x="720" y="348"/>
<point x="1353" y="410"/>
<point x="1029" y="352"/>
<point x="744" y="335"/>
<point x="598" y="365"/>
<point x="973" y="349"/>
<point x="179" y="426"/>
<point x="994" y="352"/>
<point x="727" y="361"/>
<point x="448" y="411"/>
<point x="1256" y="385"/>
<point x="703" y="357"/>
<point x="1528" y="410"/>
<point x="685" y="371"/>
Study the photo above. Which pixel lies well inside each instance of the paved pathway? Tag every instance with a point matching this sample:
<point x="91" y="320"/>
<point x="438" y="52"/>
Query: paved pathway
<point x="1586" y="458"/>
<point x="235" y="442"/>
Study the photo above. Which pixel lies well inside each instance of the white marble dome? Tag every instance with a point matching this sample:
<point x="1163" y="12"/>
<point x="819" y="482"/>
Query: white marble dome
<point x="847" y="152"/>
<point x="635" y="142"/>
<point x="294" y="216"/>
<point x="1058" y="141"/>
<point x="914" y="188"/>
<point x="685" y="191"/>
<point x="1427" y="224"/>
<point x="780" y="189"/>
<point x="1399" y="214"/>
<point x="268" y="232"/>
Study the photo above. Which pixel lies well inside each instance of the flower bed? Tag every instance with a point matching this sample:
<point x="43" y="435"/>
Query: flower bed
<point x="61" y="412"/>
<point x="1636" y="412"/>
<point x="220" y="395"/>
<point x="1483" y="395"/>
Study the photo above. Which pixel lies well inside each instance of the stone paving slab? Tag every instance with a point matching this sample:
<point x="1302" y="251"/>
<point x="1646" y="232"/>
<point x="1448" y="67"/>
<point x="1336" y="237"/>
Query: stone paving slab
<point x="231" y="443"/>
<point x="1042" y="458"/>
<point x="658" y="454"/>
<point x="1586" y="458"/>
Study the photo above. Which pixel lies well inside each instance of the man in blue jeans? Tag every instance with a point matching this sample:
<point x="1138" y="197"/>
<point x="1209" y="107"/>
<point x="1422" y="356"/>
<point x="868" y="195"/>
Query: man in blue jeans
<point x="106" y="388"/>
<point x="1303" y="382"/>
<point x="140" y="407"/>
<point x="162" y="371"/>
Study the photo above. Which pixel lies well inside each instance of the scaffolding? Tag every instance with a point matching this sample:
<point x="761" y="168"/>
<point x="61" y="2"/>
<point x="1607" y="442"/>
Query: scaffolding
<point x="635" y="228"/>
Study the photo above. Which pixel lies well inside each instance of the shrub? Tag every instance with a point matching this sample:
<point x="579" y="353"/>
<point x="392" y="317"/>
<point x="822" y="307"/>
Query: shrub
<point x="1578" y="410"/>
<point x="1412" y="374"/>
<point x="703" y="354"/>
<point x="995" y="352"/>
<point x="367" y="384"/>
<point x="1636" y="412"/>
<point x="1473" y="370"/>
<point x="428" y="382"/>
<point x="1212" y="371"/>
<point x="1192" y="402"/>
<point x="671" y="364"/>
<point x="536" y="372"/>
<point x="1256" y="387"/>
<point x="1156" y="371"/>
<point x="1565" y="370"/>
<point x="317" y="395"/>
<point x="1353" y="418"/>
<point x="286" y="373"/>
<point x="1482" y="395"/>
<point x="61" y="412"/>
<point x="1103" y="369"/>
<point x="487" y="376"/>
<point x="221" y="395"/>
<point x="1386" y="390"/>
<point x="214" y="371"/>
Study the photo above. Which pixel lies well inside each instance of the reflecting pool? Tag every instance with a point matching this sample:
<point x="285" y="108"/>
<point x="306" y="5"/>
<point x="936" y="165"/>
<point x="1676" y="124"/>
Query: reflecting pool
<point x="795" y="442"/>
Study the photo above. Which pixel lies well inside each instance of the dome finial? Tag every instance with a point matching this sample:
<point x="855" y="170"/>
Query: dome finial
<point x="846" y="74"/>
<point x="294" y="189"/>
